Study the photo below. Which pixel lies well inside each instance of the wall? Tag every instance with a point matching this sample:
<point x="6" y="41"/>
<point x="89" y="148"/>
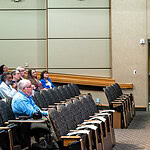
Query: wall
<point x="79" y="37"/>
<point x="23" y="33"/>
<point x="128" y="27"/>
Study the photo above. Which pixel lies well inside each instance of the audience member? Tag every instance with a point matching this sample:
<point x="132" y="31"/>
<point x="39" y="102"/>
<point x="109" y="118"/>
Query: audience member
<point x="3" y="68"/>
<point x="6" y="90"/>
<point x="22" y="103"/>
<point x="15" y="75"/>
<point x="45" y="80"/>
<point x="32" y="76"/>
<point x="22" y="72"/>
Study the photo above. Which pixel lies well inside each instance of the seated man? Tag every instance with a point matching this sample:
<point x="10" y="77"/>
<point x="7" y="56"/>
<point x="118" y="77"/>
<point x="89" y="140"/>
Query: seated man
<point x="15" y="75"/>
<point x="6" y="90"/>
<point x="22" y="103"/>
<point x="22" y="72"/>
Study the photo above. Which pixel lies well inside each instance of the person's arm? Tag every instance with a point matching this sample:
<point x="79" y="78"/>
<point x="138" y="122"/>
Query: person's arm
<point x="26" y="108"/>
<point x="7" y="92"/>
<point x="52" y="85"/>
<point x="44" y="113"/>
<point x="44" y="83"/>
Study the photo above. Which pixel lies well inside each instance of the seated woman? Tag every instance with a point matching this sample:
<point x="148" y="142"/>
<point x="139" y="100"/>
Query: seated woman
<point x="45" y="80"/>
<point x="3" y="69"/>
<point x="32" y="76"/>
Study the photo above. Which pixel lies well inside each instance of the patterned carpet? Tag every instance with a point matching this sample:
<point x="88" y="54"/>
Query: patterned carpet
<point x="136" y="136"/>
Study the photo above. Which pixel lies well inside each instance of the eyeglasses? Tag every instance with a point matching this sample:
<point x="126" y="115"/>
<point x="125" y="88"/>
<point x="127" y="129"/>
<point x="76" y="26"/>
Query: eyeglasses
<point x="22" y="71"/>
<point x="29" y="86"/>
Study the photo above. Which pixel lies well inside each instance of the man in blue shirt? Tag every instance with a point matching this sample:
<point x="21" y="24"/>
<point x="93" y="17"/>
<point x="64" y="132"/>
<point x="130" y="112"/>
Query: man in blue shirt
<point x="22" y="102"/>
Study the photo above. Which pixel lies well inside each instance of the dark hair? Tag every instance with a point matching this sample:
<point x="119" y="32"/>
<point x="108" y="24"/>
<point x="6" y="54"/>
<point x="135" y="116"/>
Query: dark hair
<point x="30" y="74"/>
<point x="13" y="73"/>
<point x="31" y="78"/>
<point x="4" y="76"/>
<point x="42" y="74"/>
<point x="1" y="69"/>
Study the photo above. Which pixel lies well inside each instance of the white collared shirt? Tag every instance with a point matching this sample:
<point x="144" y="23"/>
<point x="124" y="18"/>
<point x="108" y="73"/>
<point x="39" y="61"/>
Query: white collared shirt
<point x="6" y="91"/>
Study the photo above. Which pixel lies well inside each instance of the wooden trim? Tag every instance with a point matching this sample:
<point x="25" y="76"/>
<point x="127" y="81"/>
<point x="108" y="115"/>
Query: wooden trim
<point x="111" y="37"/>
<point x="85" y="80"/>
<point x="105" y="105"/>
<point x="46" y="35"/>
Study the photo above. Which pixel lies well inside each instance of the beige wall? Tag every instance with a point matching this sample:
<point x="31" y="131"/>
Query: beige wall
<point x="23" y="39"/>
<point x="128" y="27"/>
<point x="23" y="33"/>
<point x="79" y="37"/>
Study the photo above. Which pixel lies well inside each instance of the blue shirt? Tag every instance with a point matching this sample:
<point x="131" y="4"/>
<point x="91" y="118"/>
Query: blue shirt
<point x="23" y="105"/>
<point x="47" y="85"/>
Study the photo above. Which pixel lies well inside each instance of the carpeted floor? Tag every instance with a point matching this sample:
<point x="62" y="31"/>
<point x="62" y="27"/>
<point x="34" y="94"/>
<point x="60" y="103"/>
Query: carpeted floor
<point x="136" y="136"/>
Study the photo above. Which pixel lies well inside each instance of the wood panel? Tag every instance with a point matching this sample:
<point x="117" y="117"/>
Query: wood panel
<point x="85" y="80"/>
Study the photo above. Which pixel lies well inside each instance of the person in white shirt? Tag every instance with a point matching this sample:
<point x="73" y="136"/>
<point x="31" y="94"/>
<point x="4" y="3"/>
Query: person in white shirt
<point x="6" y="90"/>
<point x="22" y="72"/>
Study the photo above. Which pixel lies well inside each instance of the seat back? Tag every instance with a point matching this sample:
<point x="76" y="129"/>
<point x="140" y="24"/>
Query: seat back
<point x="92" y="103"/>
<point x="58" y="123"/>
<point x="76" y="114"/>
<point x="76" y="88"/>
<point x="109" y="96"/>
<point x="47" y="97"/>
<point x="59" y="94"/>
<point x="4" y="139"/>
<point x="118" y="89"/>
<point x="40" y="100"/>
<point x="63" y="92"/>
<point x="52" y="93"/>
<point x="67" y="89"/>
<point x="72" y="90"/>
<point x="6" y="111"/>
<point x="68" y="117"/>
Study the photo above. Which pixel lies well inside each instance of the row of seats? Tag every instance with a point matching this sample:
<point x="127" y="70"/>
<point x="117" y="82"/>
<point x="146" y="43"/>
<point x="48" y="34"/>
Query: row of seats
<point x="56" y="95"/>
<point x="70" y="111"/>
<point x="77" y="125"/>
<point x="11" y="134"/>
<point x="122" y="103"/>
<point x="17" y="136"/>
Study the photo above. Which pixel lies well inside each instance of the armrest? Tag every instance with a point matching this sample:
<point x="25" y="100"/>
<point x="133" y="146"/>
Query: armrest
<point x="28" y="121"/>
<point x="8" y="126"/>
<point x="52" y="106"/>
<point x="92" y="121"/>
<point x="102" y="114"/>
<point x="71" y="137"/>
<point x="78" y="132"/>
<point x="116" y="102"/>
<point x="59" y="103"/>
<point x="87" y="127"/>
<point x="4" y="128"/>
<point x="99" y="118"/>
<point x="111" y="111"/>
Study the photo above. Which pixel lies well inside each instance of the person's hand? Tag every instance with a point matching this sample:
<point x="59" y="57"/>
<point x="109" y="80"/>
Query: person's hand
<point x="45" y="89"/>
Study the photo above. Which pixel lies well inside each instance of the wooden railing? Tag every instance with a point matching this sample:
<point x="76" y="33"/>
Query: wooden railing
<point x="86" y="80"/>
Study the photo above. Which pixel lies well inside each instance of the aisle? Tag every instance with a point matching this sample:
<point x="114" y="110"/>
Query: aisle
<point x="136" y="136"/>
